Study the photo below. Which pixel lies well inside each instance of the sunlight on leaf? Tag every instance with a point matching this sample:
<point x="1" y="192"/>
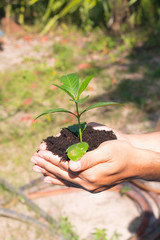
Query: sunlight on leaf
<point x="100" y="104"/>
<point x="54" y="110"/>
<point x="76" y="151"/>
<point x="84" y="84"/>
<point x="70" y="83"/>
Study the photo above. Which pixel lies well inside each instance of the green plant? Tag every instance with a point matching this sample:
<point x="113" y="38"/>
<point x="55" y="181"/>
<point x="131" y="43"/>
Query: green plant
<point x="67" y="229"/>
<point x="71" y="86"/>
<point x="100" y="234"/>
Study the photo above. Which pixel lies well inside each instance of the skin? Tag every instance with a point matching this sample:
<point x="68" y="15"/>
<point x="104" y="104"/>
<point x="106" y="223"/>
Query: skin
<point x="113" y="162"/>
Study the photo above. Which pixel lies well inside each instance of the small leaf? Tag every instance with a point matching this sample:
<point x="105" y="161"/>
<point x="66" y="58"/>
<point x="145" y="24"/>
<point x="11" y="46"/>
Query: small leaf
<point x="70" y="83"/>
<point x="54" y="110"/>
<point x="125" y="189"/>
<point x="84" y="84"/>
<point x="100" y="104"/>
<point x="61" y="87"/>
<point x="131" y="2"/>
<point x="81" y="100"/>
<point x="75" y="128"/>
<point x="76" y="151"/>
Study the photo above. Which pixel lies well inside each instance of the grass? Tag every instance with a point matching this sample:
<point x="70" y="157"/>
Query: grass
<point x="98" y="233"/>
<point x="120" y="73"/>
<point x="27" y="92"/>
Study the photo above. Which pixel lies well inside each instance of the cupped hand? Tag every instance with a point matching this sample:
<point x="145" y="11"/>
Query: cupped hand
<point x="110" y="164"/>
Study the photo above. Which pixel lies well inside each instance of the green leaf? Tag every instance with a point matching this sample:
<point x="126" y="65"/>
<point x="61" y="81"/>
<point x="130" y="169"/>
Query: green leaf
<point x="76" y="151"/>
<point x="75" y="128"/>
<point x="48" y="10"/>
<point x="64" y="90"/>
<point x="68" y="8"/>
<point x="84" y="84"/>
<point x="31" y="2"/>
<point x="70" y="83"/>
<point x="54" y="110"/>
<point x="52" y="22"/>
<point x="81" y="100"/>
<point x="131" y="2"/>
<point x="100" y="104"/>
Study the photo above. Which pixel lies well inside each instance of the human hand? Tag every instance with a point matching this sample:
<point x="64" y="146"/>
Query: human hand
<point x="111" y="163"/>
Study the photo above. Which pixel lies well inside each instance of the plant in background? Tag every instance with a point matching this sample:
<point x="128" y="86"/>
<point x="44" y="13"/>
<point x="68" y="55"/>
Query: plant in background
<point x="100" y="234"/>
<point x="67" y="229"/>
<point x="70" y="85"/>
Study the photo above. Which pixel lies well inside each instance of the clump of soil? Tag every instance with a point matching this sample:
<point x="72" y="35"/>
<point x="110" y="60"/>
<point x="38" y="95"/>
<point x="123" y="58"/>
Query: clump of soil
<point x="93" y="137"/>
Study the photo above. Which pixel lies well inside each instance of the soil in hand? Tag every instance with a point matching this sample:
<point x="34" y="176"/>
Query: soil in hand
<point x="93" y="137"/>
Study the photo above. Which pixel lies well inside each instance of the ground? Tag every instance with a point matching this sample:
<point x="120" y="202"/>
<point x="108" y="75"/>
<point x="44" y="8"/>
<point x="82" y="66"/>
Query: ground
<point x="124" y="71"/>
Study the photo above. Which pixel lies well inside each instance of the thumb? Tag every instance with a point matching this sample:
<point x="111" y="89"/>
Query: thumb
<point x="89" y="160"/>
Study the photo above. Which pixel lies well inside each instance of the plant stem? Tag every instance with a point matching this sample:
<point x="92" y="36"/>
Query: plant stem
<point x="79" y="123"/>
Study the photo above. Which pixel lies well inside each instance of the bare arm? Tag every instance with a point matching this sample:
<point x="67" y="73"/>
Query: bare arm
<point x="150" y="141"/>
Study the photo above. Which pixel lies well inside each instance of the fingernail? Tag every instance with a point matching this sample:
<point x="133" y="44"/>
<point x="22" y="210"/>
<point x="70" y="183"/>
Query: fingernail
<point x="75" y="166"/>
<point x="33" y="160"/>
<point x="37" y="169"/>
<point x="47" y="180"/>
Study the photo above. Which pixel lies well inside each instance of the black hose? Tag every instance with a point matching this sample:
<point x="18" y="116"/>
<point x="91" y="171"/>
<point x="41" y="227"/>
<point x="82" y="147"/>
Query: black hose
<point x="30" y="203"/>
<point x="21" y="217"/>
<point x="31" y="184"/>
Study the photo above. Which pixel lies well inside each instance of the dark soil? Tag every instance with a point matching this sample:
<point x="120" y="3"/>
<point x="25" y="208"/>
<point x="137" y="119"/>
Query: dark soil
<point x="94" y="138"/>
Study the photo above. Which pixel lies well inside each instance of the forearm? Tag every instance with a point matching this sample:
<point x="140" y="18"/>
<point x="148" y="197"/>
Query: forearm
<point x="148" y="165"/>
<point x="150" y="141"/>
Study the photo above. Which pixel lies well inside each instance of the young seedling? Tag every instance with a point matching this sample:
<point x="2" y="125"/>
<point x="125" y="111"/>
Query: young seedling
<point x="70" y="85"/>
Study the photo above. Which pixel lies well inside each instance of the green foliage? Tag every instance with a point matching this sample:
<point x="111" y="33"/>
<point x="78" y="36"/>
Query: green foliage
<point x="61" y="53"/>
<point x="115" y="236"/>
<point x="100" y="234"/>
<point x="67" y="229"/>
<point x="75" y="128"/>
<point x="55" y="110"/>
<point x="84" y="13"/>
<point x="76" y="151"/>
<point x="70" y="85"/>
<point x="28" y="81"/>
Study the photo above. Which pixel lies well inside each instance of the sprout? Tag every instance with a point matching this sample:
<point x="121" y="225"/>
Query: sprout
<point x="71" y="86"/>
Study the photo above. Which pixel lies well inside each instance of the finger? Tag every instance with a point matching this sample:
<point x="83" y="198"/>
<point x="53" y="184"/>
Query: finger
<point x="38" y="169"/>
<point x="55" y="179"/>
<point x="35" y="153"/>
<point x="102" y="127"/>
<point x="94" y="124"/>
<point x="42" y="146"/>
<point x="53" y="169"/>
<point x="91" y="158"/>
<point x="61" y="181"/>
<point x="52" y="180"/>
<point x="99" y="126"/>
<point x="54" y="159"/>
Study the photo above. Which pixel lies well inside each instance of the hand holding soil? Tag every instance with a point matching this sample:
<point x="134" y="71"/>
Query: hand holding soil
<point x="111" y="163"/>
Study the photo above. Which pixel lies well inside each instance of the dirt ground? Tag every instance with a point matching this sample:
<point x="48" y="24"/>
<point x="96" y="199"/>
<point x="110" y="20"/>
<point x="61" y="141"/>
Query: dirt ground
<point x="84" y="210"/>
